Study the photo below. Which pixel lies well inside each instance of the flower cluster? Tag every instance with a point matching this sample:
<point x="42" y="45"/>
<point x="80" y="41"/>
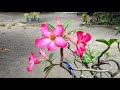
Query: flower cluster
<point x="54" y="38"/>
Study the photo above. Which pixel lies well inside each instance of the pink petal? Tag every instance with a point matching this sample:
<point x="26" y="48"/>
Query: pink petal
<point x="51" y="46"/>
<point x="60" y="42"/>
<point x="29" y="68"/>
<point x="80" y="35"/>
<point x="30" y="61"/>
<point x="81" y="53"/>
<point x="76" y="51"/>
<point x="43" y="54"/>
<point x="45" y="30"/>
<point x="42" y="42"/>
<point x="82" y="46"/>
<point x="37" y="61"/>
<point x="31" y="56"/>
<point x="73" y="40"/>
<point x="86" y="38"/>
<point x="58" y="31"/>
<point x="57" y="22"/>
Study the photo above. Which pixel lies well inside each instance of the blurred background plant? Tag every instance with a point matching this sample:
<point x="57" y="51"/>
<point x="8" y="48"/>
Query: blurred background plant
<point x="117" y="28"/>
<point x="85" y="18"/>
<point x="105" y="18"/>
<point x="32" y="16"/>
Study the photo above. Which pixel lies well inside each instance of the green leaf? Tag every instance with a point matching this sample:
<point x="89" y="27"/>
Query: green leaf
<point x="66" y="24"/>
<point x="96" y="55"/>
<point x="103" y="41"/>
<point x="111" y="41"/>
<point x="117" y="32"/>
<point x="91" y="53"/>
<point x="88" y="47"/>
<point x="48" y="68"/>
<point x="44" y="61"/>
<point x="86" y="58"/>
<point x="51" y="27"/>
<point x="106" y="55"/>
<point x="73" y="31"/>
<point x="51" y="56"/>
<point x="117" y="28"/>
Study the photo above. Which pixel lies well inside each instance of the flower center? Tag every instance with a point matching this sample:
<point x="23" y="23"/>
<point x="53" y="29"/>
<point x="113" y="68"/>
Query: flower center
<point x="78" y="43"/>
<point x="52" y="37"/>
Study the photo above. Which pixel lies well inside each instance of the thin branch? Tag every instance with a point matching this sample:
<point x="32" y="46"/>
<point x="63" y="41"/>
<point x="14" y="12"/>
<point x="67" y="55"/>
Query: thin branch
<point x="118" y="71"/>
<point x="119" y="46"/>
<point x="102" y="54"/>
<point x="94" y="75"/>
<point x="92" y="70"/>
<point x="64" y="67"/>
<point x="61" y="63"/>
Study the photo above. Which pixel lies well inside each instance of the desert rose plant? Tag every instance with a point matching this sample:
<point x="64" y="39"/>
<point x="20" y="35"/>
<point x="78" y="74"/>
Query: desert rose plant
<point x="90" y="60"/>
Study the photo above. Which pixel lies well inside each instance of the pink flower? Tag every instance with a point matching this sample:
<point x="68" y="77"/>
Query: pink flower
<point x="43" y="54"/>
<point x="32" y="60"/>
<point x="51" y="38"/>
<point x="81" y="43"/>
<point x="57" y="22"/>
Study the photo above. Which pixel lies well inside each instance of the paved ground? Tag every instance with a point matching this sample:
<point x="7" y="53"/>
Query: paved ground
<point x="19" y="42"/>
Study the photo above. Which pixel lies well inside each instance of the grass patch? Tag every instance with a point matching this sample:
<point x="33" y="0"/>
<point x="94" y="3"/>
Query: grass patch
<point x="2" y="25"/>
<point x="13" y="24"/>
<point x="9" y="27"/>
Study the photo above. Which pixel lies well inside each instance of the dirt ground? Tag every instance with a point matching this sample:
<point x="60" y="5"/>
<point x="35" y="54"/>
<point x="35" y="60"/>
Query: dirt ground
<point x="17" y="40"/>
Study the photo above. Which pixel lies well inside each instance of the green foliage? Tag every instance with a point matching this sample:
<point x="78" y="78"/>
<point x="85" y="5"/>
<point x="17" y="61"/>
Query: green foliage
<point x="31" y="15"/>
<point x="51" y="56"/>
<point x="108" y="43"/>
<point x="90" y="56"/>
<point x="44" y="62"/>
<point x="66" y="24"/>
<point x="85" y="17"/>
<point x="111" y="41"/>
<point x="51" y="27"/>
<point x="106" y="54"/>
<point x="86" y="58"/>
<point x="48" y="68"/>
<point x="26" y="15"/>
<point x="117" y="28"/>
<point x="105" y="18"/>
<point x="103" y="41"/>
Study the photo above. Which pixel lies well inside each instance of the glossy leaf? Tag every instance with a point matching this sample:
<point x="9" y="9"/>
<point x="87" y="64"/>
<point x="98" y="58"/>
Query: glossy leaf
<point x="103" y="41"/>
<point x="44" y="61"/>
<point x="117" y="28"/>
<point x="86" y="58"/>
<point x="118" y="32"/>
<point x="66" y="24"/>
<point x="51" y="27"/>
<point x="48" y="68"/>
<point x="96" y="55"/>
<point x="111" y="41"/>
<point x="51" y="56"/>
